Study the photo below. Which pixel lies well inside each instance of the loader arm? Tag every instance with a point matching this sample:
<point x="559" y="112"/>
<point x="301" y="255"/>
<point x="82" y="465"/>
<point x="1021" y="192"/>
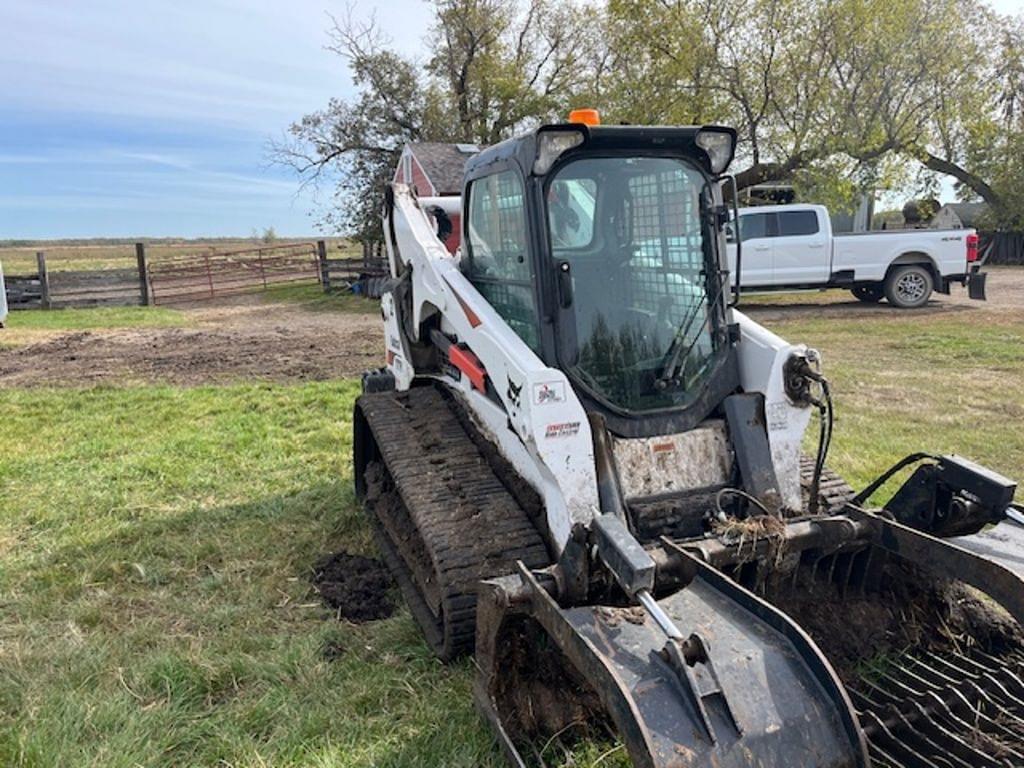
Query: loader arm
<point x="506" y="400"/>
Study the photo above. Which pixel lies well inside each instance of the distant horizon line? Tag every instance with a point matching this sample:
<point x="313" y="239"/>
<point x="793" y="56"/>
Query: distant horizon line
<point x="23" y="242"/>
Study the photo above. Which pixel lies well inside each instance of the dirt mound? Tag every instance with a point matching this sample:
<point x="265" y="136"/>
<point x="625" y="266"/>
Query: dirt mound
<point x="909" y="614"/>
<point x="357" y="587"/>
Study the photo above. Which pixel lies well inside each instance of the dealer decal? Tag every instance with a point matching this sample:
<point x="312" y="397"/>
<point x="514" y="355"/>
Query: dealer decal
<point x="563" y="429"/>
<point x="547" y="392"/>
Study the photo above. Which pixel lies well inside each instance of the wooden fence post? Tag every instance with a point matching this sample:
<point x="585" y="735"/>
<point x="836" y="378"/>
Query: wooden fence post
<point x="44" y="280"/>
<point x="325" y="273"/>
<point x="140" y="257"/>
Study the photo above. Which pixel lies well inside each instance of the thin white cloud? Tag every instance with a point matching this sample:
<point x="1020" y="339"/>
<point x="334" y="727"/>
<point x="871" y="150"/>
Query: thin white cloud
<point x="254" y="65"/>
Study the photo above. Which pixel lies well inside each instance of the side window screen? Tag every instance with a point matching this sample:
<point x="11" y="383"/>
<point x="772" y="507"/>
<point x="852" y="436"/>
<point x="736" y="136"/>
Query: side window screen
<point x="796" y="223"/>
<point x="754" y="225"/>
<point x="497" y="228"/>
<point x="498" y="261"/>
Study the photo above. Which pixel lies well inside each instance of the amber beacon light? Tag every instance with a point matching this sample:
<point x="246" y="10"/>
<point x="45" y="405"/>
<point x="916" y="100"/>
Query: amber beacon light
<point x="585" y="116"/>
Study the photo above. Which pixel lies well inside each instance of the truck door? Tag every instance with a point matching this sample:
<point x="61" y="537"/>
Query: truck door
<point x="801" y="253"/>
<point x="756" y="234"/>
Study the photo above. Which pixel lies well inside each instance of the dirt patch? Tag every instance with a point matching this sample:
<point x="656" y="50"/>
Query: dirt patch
<point x="357" y="587"/>
<point x="262" y="342"/>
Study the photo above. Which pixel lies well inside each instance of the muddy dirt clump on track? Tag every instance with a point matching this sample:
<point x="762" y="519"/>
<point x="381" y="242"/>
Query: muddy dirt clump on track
<point x="358" y="588"/>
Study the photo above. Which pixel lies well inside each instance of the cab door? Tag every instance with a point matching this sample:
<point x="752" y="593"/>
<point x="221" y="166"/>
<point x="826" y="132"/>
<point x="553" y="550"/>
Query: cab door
<point x="757" y="231"/>
<point x="801" y="252"/>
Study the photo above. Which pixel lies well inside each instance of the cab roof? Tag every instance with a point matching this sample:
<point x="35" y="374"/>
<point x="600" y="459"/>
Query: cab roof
<point x="647" y="138"/>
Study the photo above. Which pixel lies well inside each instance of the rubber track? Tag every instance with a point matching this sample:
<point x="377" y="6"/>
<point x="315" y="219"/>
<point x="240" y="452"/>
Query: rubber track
<point x="456" y="513"/>
<point x="833" y="491"/>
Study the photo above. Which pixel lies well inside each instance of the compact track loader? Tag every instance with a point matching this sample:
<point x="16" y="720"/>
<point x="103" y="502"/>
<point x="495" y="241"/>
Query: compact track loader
<point x="585" y="465"/>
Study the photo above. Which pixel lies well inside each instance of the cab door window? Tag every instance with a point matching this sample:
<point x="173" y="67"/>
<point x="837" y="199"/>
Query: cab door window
<point x="498" y="259"/>
<point x="754" y="226"/>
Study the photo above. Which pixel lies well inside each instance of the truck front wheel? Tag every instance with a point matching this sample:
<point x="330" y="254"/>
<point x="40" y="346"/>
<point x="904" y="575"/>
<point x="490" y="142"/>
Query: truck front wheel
<point x="869" y="294"/>
<point x="909" y="286"/>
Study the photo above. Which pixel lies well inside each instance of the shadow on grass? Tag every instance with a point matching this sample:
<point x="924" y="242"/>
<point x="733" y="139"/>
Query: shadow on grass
<point x="827" y="307"/>
<point x="315" y="299"/>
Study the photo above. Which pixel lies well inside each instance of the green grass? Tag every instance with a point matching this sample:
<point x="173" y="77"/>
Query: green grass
<point x="313" y="297"/>
<point x="156" y="544"/>
<point x="942" y="384"/>
<point x="96" y="317"/>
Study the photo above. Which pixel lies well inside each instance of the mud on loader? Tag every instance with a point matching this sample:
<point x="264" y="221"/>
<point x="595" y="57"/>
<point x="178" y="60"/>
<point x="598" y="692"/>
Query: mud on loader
<point x="584" y="463"/>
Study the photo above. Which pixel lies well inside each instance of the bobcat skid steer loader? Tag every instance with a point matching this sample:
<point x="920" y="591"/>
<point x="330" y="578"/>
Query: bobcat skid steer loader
<point x="584" y="464"/>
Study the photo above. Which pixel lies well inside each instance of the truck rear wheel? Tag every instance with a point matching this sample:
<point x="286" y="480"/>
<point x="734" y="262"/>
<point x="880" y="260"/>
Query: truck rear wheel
<point x="869" y="294"/>
<point x="909" y="286"/>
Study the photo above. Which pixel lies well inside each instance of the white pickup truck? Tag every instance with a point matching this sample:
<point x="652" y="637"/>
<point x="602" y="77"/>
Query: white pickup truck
<point x="792" y="247"/>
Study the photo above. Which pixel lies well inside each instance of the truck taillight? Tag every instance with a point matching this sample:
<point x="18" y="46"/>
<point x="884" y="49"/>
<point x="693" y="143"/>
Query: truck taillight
<point x="972" y="248"/>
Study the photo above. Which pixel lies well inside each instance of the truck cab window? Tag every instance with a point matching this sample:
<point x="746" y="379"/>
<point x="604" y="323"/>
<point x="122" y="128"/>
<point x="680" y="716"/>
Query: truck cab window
<point x="798" y="223"/>
<point x="756" y="225"/>
<point x="498" y="261"/>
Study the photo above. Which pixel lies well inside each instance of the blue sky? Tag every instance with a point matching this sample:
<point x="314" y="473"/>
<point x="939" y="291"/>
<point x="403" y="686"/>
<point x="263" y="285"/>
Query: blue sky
<point x="147" y="118"/>
<point x="123" y="118"/>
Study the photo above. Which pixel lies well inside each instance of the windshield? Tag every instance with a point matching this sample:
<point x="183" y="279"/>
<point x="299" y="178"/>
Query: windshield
<point x="630" y="229"/>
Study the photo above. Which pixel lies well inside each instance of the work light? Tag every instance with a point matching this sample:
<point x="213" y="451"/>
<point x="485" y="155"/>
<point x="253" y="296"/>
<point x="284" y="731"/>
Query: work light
<point x="719" y="144"/>
<point x="551" y="145"/>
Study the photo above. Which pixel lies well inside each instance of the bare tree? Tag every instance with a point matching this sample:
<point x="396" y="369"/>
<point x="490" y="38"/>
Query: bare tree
<point x="496" y="66"/>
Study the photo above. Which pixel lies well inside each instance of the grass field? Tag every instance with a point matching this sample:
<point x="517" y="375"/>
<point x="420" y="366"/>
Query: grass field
<point x="157" y="542"/>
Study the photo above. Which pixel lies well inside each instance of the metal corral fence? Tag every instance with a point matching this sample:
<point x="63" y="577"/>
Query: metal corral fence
<point x="208" y="275"/>
<point x="365" y="275"/>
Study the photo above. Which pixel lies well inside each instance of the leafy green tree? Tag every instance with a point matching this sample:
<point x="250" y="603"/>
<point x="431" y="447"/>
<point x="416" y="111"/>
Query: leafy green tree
<point x="834" y="96"/>
<point x="837" y="96"/>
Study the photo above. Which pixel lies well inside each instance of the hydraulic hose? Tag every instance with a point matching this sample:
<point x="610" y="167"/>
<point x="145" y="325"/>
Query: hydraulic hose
<point x="826" y="420"/>
<point x="913" y="458"/>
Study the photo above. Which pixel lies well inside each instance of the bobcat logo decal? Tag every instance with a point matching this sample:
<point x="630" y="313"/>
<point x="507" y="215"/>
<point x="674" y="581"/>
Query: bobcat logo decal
<point x="513" y="393"/>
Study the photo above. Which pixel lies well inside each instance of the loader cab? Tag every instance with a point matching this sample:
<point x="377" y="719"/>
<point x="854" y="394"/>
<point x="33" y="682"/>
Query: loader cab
<point x="602" y="247"/>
